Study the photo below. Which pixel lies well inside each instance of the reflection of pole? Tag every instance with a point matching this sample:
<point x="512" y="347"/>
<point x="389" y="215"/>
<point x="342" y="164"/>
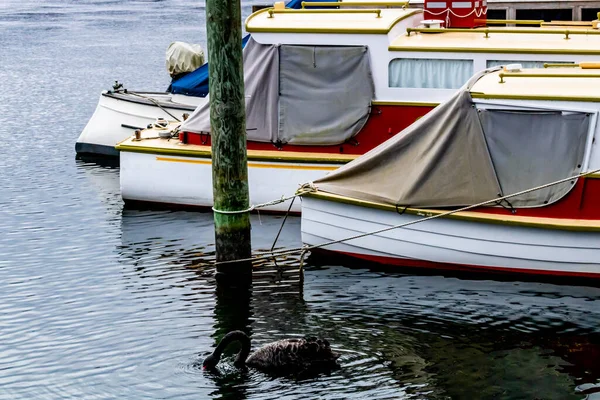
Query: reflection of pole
<point x="232" y="313"/>
<point x="228" y="136"/>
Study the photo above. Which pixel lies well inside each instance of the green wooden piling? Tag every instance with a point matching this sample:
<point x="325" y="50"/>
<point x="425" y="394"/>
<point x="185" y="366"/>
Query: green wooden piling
<point x="228" y="137"/>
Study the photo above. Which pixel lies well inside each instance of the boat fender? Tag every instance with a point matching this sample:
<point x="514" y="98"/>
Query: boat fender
<point x="165" y="134"/>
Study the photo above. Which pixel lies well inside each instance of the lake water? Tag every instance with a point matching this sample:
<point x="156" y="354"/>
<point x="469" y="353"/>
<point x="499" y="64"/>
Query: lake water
<point x="101" y="302"/>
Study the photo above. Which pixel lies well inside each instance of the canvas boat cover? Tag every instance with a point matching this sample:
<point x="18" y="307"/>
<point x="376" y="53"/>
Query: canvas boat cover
<point x="306" y="95"/>
<point x="182" y="58"/>
<point x="196" y="83"/>
<point x="459" y="155"/>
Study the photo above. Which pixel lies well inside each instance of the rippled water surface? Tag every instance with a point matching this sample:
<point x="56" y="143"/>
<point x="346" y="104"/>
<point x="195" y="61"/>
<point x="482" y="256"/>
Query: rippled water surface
<point x="98" y="302"/>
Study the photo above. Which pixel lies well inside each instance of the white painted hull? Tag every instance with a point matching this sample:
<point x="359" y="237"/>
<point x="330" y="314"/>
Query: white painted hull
<point x="187" y="181"/>
<point x="450" y="243"/>
<point x="116" y="117"/>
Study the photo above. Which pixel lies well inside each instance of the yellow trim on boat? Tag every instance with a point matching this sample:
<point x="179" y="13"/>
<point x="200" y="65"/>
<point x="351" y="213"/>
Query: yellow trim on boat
<point x="354" y="4"/>
<point x="512" y="21"/>
<point x="252" y="164"/>
<point x="493" y="50"/>
<point x="479" y="95"/>
<point x="504" y="75"/>
<point x="272" y="12"/>
<point x="197" y="151"/>
<point x="487" y="31"/>
<point x="403" y="103"/>
<point x="474" y="216"/>
<point x="593" y="176"/>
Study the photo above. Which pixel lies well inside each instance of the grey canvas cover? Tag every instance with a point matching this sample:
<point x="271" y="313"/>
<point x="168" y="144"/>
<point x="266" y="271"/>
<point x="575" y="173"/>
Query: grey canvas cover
<point x="532" y="148"/>
<point x="261" y="87"/>
<point x="306" y="95"/>
<point x="452" y="158"/>
<point x="325" y="93"/>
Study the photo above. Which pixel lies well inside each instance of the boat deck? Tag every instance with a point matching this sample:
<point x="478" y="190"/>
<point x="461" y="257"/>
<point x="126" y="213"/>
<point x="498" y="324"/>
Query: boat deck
<point x="568" y="84"/>
<point x="150" y="143"/>
<point x="376" y="21"/>
<point x="501" y="40"/>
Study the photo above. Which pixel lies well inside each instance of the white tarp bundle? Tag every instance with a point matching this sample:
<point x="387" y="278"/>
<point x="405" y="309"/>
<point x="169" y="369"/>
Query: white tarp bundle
<point x="307" y="95"/>
<point x="182" y="58"/>
<point x="458" y="155"/>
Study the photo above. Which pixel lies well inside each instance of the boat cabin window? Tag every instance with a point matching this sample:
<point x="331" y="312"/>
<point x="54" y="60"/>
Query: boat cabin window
<point x="525" y="64"/>
<point x="429" y="73"/>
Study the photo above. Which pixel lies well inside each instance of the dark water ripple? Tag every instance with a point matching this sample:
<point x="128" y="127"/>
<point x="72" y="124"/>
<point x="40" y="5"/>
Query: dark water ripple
<point x="101" y="302"/>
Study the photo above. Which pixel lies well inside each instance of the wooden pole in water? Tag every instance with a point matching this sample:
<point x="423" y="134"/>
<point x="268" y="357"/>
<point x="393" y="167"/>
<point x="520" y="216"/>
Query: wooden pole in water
<point x="228" y="137"/>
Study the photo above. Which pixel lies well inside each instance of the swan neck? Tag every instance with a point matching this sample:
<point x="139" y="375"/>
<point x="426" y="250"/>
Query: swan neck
<point x="235" y="336"/>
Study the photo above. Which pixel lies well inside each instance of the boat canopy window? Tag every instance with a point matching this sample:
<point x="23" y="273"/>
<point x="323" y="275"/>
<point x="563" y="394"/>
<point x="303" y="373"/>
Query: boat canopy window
<point x="305" y="95"/>
<point x="532" y="148"/>
<point x="524" y="64"/>
<point x="429" y="73"/>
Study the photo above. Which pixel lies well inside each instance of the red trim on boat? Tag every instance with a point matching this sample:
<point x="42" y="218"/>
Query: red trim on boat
<point x="405" y="262"/>
<point x="580" y="203"/>
<point x="387" y="120"/>
<point x="383" y="123"/>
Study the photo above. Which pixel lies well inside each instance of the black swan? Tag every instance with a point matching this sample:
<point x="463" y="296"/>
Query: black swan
<point x="281" y="357"/>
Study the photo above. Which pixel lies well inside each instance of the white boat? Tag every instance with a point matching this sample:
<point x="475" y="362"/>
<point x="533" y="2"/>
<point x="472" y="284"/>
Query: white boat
<point x="120" y="112"/>
<point x="307" y="112"/>
<point x="502" y="134"/>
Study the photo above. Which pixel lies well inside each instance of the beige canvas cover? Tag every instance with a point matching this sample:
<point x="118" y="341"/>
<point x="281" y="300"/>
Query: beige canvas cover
<point x="458" y="155"/>
<point x="439" y="161"/>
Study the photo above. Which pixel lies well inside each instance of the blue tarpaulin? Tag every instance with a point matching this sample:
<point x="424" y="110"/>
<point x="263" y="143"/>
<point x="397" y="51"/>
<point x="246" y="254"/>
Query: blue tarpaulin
<point x="196" y="83"/>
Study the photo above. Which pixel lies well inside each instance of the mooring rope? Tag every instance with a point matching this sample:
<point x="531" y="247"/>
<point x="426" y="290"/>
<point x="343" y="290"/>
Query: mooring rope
<point x="253" y="207"/>
<point x="304" y="249"/>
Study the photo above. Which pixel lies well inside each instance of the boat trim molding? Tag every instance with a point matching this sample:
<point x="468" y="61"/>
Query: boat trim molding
<point x="474" y="216"/>
<point x="253" y="164"/>
<point x="403" y="103"/>
<point x="128" y="97"/>
<point x="480" y="95"/>
<point x="261" y="155"/>
<point x="493" y="50"/>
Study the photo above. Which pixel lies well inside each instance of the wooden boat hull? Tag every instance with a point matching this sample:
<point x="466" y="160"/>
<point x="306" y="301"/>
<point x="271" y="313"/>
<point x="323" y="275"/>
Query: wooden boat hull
<point x="185" y="181"/>
<point x="452" y="243"/>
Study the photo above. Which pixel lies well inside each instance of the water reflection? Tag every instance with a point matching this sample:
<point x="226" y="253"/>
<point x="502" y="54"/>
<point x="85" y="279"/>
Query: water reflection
<point x="232" y="312"/>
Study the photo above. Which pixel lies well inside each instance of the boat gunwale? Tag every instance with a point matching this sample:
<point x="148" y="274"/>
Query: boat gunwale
<point x="140" y="100"/>
<point x="199" y="151"/>
<point x="482" y="95"/>
<point x="568" y="224"/>
<point x="498" y="50"/>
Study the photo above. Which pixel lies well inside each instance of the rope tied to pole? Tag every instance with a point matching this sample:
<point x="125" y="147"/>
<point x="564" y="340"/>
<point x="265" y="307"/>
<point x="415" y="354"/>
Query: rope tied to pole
<point x="304" y="249"/>
<point x="302" y="191"/>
